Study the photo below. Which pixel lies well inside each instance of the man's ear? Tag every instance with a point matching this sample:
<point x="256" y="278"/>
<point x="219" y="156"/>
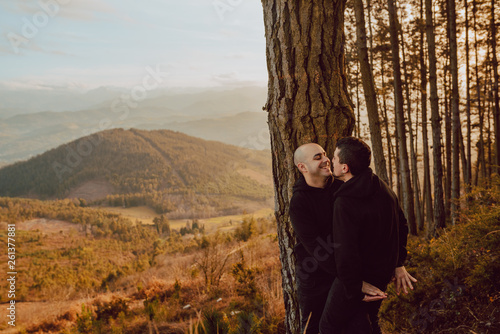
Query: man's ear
<point x="302" y="167"/>
<point x="345" y="168"/>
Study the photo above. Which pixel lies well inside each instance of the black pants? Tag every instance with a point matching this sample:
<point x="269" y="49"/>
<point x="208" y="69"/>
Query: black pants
<point x="313" y="292"/>
<point x="344" y="316"/>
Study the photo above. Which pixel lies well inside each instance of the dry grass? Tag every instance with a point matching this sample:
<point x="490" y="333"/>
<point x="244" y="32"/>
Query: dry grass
<point x="158" y="281"/>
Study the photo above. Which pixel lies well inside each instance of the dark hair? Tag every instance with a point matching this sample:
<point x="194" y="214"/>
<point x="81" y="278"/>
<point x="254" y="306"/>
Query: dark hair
<point x="355" y="153"/>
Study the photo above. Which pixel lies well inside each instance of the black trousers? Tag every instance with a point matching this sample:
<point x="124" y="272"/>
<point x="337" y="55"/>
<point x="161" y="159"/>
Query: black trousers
<point x="344" y="316"/>
<point x="313" y="292"/>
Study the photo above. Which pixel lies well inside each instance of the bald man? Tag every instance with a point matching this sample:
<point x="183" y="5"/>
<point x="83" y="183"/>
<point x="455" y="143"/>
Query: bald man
<point x="311" y="214"/>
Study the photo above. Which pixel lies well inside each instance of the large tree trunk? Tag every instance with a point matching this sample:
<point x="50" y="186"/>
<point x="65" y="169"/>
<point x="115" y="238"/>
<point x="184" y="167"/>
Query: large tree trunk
<point x="369" y="91"/>
<point x="307" y="102"/>
<point x="455" y="125"/>
<point x="439" y="211"/>
<point x="400" y="121"/>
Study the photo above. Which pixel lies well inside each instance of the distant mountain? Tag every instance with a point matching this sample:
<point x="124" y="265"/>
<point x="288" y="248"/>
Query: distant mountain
<point x="234" y="117"/>
<point x="27" y="101"/>
<point x="171" y="172"/>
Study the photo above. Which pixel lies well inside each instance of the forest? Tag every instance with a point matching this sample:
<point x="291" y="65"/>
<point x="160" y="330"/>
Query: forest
<point x="423" y="77"/>
<point x="418" y="80"/>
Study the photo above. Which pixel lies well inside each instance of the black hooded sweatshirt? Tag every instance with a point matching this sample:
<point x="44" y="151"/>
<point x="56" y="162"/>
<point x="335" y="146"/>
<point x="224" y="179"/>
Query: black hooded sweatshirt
<point x="311" y="212"/>
<point x="370" y="233"/>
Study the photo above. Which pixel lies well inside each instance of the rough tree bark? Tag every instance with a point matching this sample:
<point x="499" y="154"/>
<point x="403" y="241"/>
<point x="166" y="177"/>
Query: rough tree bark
<point x="369" y="92"/>
<point x="307" y="102"/>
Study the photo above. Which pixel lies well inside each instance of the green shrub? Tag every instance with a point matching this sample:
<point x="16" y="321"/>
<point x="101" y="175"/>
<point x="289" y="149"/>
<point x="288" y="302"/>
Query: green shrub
<point x="110" y="310"/>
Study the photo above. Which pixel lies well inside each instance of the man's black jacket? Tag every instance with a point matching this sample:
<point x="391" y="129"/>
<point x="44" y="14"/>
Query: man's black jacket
<point x="311" y="212"/>
<point x="370" y="233"/>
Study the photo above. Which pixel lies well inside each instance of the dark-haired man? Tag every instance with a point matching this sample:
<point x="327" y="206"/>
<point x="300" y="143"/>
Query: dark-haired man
<point x="311" y="213"/>
<point x="369" y="233"/>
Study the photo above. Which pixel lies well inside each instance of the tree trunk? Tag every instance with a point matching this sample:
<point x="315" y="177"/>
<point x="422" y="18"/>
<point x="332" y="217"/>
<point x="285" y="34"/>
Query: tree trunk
<point x="369" y="92"/>
<point x="468" y="166"/>
<point x="386" y="121"/>
<point x="413" y="153"/>
<point x="481" y="159"/>
<point x="455" y="126"/>
<point x="425" y="141"/>
<point x="447" y="129"/>
<point x="307" y="102"/>
<point x="496" y="113"/>
<point x="439" y="210"/>
<point x="358" y="106"/>
<point x="400" y="118"/>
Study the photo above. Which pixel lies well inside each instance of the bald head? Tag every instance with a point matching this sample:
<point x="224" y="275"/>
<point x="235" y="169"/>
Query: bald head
<point x="303" y="152"/>
<point x="312" y="162"/>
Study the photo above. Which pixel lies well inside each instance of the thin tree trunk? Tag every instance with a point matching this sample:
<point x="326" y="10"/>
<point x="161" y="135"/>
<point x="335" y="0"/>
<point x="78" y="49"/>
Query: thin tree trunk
<point x="425" y="140"/>
<point x="455" y="112"/>
<point x="370" y="26"/>
<point x="468" y="166"/>
<point x="447" y="126"/>
<point x="439" y="210"/>
<point x="490" y="158"/>
<point x="413" y="153"/>
<point x="358" y="106"/>
<point x="307" y="102"/>
<point x="496" y="113"/>
<point x="481" y="152"/>
<point x="400" y="126"/>
<point x="369" y="91"/>
<point x="386" y="121"/>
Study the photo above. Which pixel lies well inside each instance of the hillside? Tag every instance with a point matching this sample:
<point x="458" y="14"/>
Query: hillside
<point x="173" y="173"/>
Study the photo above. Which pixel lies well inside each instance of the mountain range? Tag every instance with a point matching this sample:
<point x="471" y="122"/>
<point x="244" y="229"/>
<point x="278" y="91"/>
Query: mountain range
<point x="33" y="123"/>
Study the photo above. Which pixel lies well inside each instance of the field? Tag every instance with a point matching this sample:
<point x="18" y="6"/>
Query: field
<point x="223" y="223"/>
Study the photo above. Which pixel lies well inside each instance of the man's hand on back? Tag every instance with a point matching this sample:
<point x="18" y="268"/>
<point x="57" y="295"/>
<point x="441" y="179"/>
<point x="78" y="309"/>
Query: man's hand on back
<point x="372" y="293"/>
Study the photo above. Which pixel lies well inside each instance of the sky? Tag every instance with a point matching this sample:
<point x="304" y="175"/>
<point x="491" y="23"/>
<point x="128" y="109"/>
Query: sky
<point x="86" y="44"/>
